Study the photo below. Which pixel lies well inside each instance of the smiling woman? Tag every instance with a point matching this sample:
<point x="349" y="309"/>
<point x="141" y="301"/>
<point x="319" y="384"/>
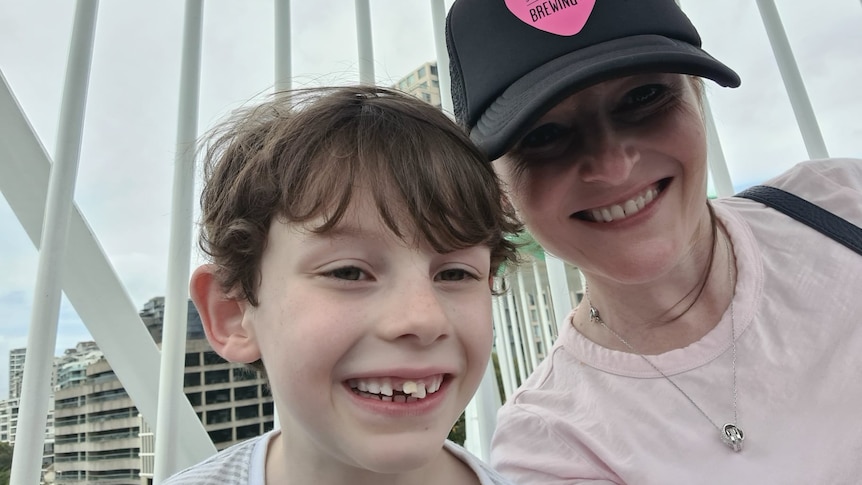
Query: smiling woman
<point x="595" y="117"/>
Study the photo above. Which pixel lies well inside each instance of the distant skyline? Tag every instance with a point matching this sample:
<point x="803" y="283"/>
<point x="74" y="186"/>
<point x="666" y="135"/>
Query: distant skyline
<point x="125" y="173"/>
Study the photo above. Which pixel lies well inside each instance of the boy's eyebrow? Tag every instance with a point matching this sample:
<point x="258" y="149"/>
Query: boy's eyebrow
<point x="341" y="231"/>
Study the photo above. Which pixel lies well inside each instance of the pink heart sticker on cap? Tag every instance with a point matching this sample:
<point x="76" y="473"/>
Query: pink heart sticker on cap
<point x="561" y="17"/>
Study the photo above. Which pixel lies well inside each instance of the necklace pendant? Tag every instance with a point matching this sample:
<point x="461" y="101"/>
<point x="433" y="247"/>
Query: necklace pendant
<point x="733" y="437"/>
<point x="594" y="315"/>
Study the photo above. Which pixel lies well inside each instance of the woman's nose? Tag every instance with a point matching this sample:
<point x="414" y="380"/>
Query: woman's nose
<point x="610" y="159"/>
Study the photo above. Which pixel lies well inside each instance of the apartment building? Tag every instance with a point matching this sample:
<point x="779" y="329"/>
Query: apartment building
<point x="101" y="437"/>
<point x="422" y="83"/>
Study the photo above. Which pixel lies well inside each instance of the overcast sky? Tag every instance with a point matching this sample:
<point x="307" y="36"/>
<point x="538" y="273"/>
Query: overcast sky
<point x="125" y="174"/>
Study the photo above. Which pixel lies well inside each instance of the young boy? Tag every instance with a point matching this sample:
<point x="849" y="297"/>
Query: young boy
<point x="354" y="235"/>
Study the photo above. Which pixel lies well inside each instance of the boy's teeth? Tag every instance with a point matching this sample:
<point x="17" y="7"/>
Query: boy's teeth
<point x="385" y="390"/>
<point x="409" y="387"/>
<point x="420" y="391"/>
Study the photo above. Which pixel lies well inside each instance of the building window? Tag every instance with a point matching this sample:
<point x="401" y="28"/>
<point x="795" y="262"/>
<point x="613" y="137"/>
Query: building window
<point x="218" y="416"/>
<point x="267" y="408"/>
<point x="212" y="358"/>
<point x="242" y="393"/>
<point x="246" y="412"/>
<point x="221" y="435"/>
<point x="433" y="69"/>
<point x="216" y="376"/>
<point x="246" y="432"/>
<point x="192" y="379"/>
<point x="217" y="396"/>
<point x="421" y="72"/>
<point x="244" y="374"/>
<point x="194" y="398"/>
<point x="193" y="359"/>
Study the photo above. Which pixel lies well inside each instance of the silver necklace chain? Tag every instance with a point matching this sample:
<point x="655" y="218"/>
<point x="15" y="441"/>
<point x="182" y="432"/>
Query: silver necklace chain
<point x="731" y="434"/>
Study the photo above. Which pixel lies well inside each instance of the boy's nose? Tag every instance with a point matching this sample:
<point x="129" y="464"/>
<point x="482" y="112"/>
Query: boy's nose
<point x="415" y="314"/>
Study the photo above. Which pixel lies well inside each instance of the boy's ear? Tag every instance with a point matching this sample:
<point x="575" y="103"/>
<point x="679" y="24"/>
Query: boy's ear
<point x="224" y="317"/>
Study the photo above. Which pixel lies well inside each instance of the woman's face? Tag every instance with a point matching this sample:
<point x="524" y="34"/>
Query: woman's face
<point x="613" y="178"/>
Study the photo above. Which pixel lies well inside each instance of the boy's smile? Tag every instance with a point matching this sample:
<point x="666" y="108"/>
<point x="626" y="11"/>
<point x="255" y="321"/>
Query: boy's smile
<point x="395" y="389"/>
<point x="373" y="347"/>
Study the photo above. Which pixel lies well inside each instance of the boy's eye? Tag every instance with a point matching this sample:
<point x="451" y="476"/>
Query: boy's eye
<point x="351" y="273"/>
<point x="454" y="274"/>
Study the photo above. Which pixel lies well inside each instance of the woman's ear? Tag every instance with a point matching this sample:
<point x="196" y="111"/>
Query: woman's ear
<point x="224" y="317"/>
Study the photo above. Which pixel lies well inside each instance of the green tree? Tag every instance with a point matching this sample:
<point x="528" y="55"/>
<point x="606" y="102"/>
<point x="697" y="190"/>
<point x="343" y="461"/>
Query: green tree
<point x="458" y="433"/>
<point x="5" y="462"/>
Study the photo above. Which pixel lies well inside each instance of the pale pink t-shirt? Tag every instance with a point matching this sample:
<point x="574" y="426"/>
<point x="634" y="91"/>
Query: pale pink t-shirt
<point x="590" y="413"/>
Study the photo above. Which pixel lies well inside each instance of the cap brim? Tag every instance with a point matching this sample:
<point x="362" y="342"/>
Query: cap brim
<point x="531" y="96"/>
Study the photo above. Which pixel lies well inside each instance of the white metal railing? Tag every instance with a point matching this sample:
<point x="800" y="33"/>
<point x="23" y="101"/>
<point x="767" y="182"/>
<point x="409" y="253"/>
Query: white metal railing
<point x="35" y="388"/>
<point x="171" y="374"/>
<point x="72" y="260"/>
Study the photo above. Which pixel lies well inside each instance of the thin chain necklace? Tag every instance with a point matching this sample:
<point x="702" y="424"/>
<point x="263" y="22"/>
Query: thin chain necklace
<point x="731" y="434"/>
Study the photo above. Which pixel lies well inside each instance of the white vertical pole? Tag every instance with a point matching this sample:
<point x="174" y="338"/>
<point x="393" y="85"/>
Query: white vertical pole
<point x="717" y="164"/>
<point x="507" y="338"/>
<point x="363" y="40"/>
<point x="559" y="284"/>
<point x="179" y="252"/>
<point x="283" y="76"/>
<point x="480" y="417"/>
<point x="42" y="334"/>
<point x="527" y="322"/>
<point x="544" y="321"/>
<point x="438" y="17"/>
<point x="283" y="53"/>
<point x="502" y="345"/>
<point x="805" y="117"/>
<point x="516" y="336"/>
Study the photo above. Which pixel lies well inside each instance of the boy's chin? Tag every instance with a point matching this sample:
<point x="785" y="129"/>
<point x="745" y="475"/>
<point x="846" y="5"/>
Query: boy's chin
<point x="402" y="454"/>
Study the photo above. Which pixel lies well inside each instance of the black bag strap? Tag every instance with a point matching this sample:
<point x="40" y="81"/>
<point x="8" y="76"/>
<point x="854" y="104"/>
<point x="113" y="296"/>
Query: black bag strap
<point x="807" y="213"/>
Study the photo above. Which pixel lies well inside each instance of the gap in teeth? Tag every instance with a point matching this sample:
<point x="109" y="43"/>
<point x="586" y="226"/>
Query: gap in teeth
<point x="396" y="390"/>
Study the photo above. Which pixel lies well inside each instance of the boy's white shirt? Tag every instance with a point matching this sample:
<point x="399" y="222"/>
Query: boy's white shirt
<point x="227" y="467"/>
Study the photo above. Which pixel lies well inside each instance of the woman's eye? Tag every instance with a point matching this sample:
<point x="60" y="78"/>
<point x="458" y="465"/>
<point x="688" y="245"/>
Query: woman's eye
<point x="543" y="136"/>
<point x="643" y="96"/>
<point x="351" y="273"/>
<point x="454" y="275"/>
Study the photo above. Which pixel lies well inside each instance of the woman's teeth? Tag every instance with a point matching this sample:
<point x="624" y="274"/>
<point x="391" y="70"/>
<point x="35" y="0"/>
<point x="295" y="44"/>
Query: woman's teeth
<point x="628" y="208"/>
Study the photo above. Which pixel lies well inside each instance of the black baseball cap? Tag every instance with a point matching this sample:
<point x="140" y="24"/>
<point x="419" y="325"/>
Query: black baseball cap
<point x="512" y="60"/>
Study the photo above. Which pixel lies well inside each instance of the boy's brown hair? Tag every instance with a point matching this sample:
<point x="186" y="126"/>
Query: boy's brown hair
<point x="303" y="153"/>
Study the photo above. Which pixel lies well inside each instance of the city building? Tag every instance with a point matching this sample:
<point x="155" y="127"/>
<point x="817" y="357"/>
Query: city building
<point x="9" y="408"/>
<point x="71" y="367"/>
<point x="16" y="371"/>
<point x="422" y="83"/>
<point x="101" y="437"/>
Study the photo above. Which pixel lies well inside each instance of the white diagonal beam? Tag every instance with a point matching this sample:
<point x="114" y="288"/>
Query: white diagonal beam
<point x="89" y="280"/>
